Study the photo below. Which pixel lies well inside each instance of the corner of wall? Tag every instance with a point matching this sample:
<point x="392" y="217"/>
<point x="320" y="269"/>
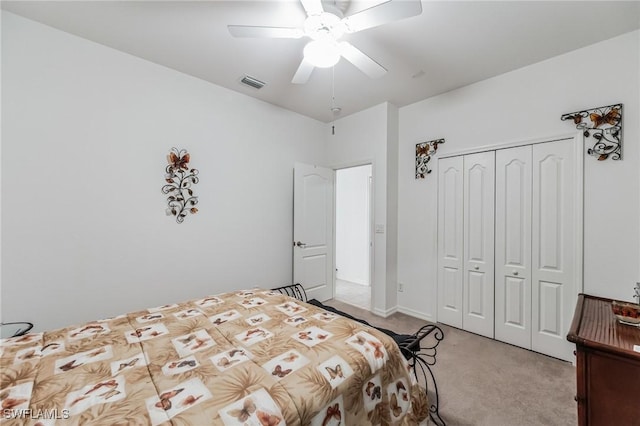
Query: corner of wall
<point x="392" y="138"/>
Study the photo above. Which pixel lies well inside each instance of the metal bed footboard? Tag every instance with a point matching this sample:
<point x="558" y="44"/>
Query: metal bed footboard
<point x="294" y="290"/>
<point x="421" y="353"/>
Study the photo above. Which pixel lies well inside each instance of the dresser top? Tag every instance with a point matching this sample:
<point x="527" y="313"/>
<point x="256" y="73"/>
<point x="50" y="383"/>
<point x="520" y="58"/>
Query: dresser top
<point x="594" y="325"/>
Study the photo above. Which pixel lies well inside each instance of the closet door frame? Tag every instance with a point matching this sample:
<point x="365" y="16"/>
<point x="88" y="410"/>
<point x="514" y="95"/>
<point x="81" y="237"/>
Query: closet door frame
<point x="578" y="217"/>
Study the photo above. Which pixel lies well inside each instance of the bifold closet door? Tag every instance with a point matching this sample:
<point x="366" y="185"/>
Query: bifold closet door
<point x="553" y="246"/>
<point x="450" y="242"/>
<point x="478" y="281"/>
<point x="513" y="246"/>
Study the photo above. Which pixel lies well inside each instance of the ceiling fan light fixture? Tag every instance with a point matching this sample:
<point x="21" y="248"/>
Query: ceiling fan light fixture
<point x="323" y="26"/>
<point x="322" y="53"/>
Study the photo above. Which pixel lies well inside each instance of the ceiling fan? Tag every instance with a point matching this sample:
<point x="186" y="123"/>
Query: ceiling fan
<point x="325" y="25"/>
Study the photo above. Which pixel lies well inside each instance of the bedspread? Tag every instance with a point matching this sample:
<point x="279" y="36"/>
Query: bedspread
<point x="252" y="357"/>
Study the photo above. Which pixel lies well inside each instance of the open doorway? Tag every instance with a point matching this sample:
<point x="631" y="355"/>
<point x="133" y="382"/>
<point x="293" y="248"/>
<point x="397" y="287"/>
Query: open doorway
<point x="353" y="236"/>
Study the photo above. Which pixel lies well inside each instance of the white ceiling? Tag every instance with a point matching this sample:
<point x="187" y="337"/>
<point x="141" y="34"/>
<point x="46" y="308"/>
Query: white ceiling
<point x="451" y="44"/>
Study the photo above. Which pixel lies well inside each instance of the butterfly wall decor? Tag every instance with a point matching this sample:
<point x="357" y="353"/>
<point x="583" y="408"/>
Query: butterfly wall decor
<point x="604" y="126"/>
<point x="424" y="150"/>
<point x="179" y="178"/>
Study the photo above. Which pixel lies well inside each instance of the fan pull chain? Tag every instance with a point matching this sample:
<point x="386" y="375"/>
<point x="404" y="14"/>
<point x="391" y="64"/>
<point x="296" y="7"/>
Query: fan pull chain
<point x="333" y="97"/>
<point x="333" y="87"/>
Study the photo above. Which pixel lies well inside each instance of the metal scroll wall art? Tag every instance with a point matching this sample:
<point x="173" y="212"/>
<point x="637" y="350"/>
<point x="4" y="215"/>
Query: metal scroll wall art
<point x="602" y="125"/>
<point x="180" y="178"/>
<point x="424" y="150"/>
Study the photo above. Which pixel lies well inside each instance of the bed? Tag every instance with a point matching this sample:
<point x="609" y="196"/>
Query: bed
<point x="251" y="357"/>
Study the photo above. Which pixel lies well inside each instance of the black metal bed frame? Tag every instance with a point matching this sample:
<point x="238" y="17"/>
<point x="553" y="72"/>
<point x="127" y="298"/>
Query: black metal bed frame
<point x="422" y="356"/>
<point x="19" y="331"/>
<point x="419" y="351"/>
<point x="294" y="290"/>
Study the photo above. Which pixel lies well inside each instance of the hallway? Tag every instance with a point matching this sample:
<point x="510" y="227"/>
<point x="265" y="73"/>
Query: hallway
<point x="354" y="294"/>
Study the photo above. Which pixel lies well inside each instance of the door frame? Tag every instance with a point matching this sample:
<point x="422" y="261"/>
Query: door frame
<point x="372" y="247"/>
<point x="578" y="219"/>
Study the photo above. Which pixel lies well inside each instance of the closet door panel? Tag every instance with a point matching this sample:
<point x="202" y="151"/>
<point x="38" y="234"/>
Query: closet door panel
<point x="553" y="247"/>
<point x="478" y="286"/>
<point x="516" y="310"/>
<point x="450" y="240"/>
<point x="513" y="246"/>
<point x="451" y="289"/>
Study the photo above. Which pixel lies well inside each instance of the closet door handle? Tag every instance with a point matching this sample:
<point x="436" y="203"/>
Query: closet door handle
<point x="476" y="267"/>
<point x="515" y="273"/>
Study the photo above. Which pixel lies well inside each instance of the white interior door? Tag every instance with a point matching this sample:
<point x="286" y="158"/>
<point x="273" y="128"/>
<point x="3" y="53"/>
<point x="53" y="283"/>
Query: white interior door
<point x="513" y="246"/>
<point x="450" y="240"/>
<point x="554" y="237"/>
<point x="478" y="284"/>
<point x="313" y="197"/>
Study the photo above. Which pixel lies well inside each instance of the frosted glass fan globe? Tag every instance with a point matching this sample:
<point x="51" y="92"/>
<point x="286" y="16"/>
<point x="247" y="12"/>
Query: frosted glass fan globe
<point x="322" y="53"/>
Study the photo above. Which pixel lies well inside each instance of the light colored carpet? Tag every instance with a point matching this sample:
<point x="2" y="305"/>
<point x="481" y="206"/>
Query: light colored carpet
<point x="486" y="382"/>
<point x="354" y="294"/>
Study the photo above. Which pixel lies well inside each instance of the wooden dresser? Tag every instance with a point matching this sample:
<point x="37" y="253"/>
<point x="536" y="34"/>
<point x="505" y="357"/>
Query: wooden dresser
<point x="608" y="369"/>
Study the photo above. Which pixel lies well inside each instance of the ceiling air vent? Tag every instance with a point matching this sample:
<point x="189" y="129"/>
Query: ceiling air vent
<point x="253" y="82"/>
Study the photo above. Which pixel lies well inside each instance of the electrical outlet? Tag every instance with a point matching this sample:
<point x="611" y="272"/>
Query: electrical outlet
<point x="400" y="287"/>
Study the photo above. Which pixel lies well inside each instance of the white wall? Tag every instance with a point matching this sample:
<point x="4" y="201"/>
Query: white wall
<point x="521" y="105"/>
<point x="352" y="224"/>
<point x="362" y="138"/>
<point x="86" y="130"/>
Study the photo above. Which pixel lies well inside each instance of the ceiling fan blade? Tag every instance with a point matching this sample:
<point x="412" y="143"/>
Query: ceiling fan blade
<point x="268" y="32"/>
<point x="383" y="13"/>
<point x="360" y="60"/>
<point x="303" y="73"/>
<point x="312" y="7"/>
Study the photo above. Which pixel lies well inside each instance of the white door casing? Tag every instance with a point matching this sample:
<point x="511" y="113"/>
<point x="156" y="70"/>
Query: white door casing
<point x="313" y="215"/>
<point x="554" y="239"/>
<point x="371" y="233"/>
<point x="450" y="240"/>
<point x="478" y="281"/>
<point x="513" y="246"/>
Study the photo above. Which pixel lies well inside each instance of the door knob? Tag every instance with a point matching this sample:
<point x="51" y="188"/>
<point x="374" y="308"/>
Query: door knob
<point x="300" y="244"/>
<point x="515" y="273"/>
<point x="476" y="267"/>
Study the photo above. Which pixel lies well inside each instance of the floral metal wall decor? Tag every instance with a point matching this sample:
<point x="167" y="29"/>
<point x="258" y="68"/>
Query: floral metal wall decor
<point x="424" y="150"/>
<point x="604" y="126"/>
<point x="179" y="178"/>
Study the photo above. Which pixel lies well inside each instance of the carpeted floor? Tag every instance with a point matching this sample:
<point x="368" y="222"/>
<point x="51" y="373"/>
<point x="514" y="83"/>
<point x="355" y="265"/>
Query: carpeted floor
<point x="486" y="382"/>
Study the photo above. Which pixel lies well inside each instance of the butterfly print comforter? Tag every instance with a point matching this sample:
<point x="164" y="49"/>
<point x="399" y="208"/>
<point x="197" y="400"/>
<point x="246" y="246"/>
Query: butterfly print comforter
<point x="252" y="357"/>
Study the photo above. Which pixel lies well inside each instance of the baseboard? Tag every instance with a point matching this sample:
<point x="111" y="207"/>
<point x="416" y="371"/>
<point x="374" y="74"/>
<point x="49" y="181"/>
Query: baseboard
<point x="385" y="313"/>
<point x="416" y="314"/>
